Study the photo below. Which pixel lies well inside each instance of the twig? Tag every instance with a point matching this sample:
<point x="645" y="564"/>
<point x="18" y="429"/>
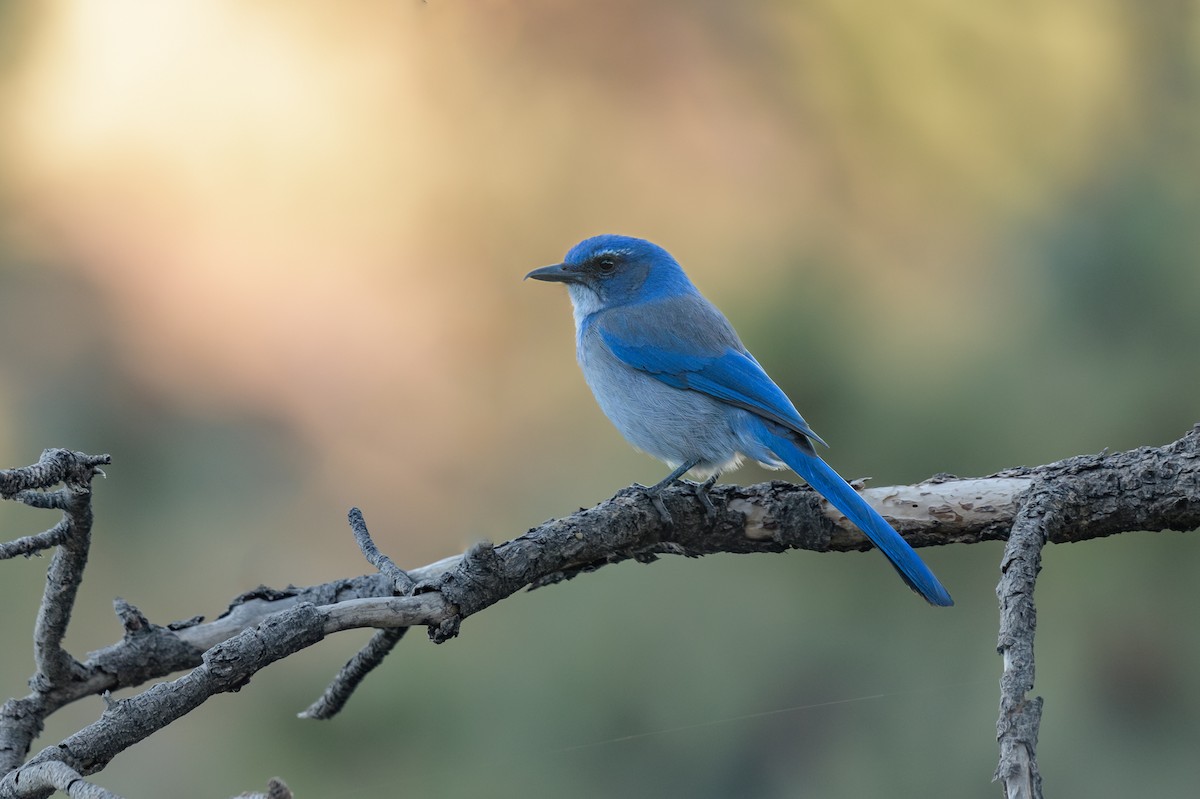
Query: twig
<point x="351" y="675"/>
<point x="33" y="544"/>
<point x="400" y="579"/>
<point x="53" y="775"/>
<point x="339" y="690"/>
<point x="73" y="469"/>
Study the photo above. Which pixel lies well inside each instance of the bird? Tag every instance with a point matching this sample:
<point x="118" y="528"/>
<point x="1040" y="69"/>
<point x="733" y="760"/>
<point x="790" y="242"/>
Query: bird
<point x="672" y="375"/>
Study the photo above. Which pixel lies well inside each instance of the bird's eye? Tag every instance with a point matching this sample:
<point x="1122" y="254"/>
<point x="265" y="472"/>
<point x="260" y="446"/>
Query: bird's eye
<point x="607" y="265"/>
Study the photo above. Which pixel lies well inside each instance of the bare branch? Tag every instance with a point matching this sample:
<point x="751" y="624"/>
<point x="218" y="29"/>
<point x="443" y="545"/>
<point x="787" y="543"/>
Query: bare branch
<point x="33" y="544"/>
<point x="1020" y="717"/>
<point x="400" y="579"/>
<point x="430" y="609"/>
<point x="351" y="675"/>
<point x="339" y="690"/>
<point x="46" y="778"/>
<point x="72" y="534"/>
<point x="73" y="469"/>
<point x="1076" y="499"/>
<point x="226" y="667"/>
<point x="1088" y="496"/>
<point x="54" y="665"/>
<point x="30" y="484"/>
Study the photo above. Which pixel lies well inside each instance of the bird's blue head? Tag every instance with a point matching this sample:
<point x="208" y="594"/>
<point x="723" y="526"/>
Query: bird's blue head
<point x="610" y="270"/>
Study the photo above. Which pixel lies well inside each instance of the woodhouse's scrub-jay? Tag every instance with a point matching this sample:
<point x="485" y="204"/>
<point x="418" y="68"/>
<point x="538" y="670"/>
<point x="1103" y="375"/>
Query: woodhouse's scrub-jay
<point x="670" y="372"/>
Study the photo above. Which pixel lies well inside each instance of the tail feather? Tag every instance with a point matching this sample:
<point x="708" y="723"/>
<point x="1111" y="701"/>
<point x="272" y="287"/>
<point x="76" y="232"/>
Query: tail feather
<point x="824" y="479"/>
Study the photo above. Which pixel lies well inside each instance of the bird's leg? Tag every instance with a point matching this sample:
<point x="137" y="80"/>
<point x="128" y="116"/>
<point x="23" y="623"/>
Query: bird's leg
<point x="655" y="491"/>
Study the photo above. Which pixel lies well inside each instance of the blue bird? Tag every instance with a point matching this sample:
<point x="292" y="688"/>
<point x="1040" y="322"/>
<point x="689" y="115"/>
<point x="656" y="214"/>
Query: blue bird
<point x="669" y="371"/>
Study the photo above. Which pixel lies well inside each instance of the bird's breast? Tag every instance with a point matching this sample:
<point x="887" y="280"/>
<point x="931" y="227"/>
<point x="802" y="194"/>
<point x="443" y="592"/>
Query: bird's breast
<point x="674" y="425"/>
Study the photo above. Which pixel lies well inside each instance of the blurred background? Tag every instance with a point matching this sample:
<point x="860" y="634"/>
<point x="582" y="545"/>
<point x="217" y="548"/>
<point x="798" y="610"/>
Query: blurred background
<point x="269" y="256"/>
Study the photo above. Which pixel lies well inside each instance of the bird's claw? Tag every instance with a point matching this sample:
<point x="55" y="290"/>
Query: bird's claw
<point x="655" y="494"/>
<point x="701" y="491"/>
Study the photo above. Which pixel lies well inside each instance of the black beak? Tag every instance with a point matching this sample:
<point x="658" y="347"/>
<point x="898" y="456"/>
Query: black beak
<point x="555" y="274"/>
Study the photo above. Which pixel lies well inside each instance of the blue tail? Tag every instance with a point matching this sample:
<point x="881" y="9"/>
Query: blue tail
<point x="821" y="476"/>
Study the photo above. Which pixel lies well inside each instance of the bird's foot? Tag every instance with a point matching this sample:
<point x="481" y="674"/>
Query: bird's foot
<point x="702" y="493"/>
<point x="654" y="492"/>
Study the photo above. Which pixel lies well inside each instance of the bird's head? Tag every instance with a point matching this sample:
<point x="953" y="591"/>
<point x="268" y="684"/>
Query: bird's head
<point x="610" y="270"/>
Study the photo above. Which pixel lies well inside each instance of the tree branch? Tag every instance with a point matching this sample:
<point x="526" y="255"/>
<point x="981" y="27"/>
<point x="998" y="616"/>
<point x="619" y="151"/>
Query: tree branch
<point x="45" y="778"/>
<point x="1017" y="727"/>
<point x="335" y="696"/>
<point x="1072" y="500"/>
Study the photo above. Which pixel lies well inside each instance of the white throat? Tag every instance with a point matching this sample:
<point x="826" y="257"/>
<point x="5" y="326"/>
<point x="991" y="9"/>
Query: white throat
<point x="585" y="302"/>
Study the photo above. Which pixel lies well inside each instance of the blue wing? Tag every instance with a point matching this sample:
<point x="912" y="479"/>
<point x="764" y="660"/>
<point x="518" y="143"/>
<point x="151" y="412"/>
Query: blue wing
<point x="694" y="347"/>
